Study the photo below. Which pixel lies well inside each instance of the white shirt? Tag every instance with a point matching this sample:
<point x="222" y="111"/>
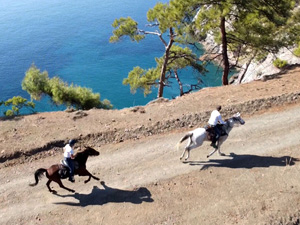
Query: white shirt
<point x="215" y="117"/>
<point x="68" y="151"/>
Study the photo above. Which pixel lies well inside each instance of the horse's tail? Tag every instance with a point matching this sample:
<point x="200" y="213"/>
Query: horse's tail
<point x="188" y="135"/>
<point x="38" y="174"/>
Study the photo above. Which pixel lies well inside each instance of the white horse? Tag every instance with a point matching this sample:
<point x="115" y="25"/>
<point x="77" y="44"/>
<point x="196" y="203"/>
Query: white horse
<point x="199" y="135"/>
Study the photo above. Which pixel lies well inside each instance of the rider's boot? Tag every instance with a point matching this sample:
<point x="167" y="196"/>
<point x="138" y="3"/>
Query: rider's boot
<point x="214" y="141"/>
<point x="213" y="144"/>
<point x="72" y="179"/>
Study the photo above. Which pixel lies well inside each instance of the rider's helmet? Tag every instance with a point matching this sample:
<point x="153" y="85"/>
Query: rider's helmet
<point x="72" y="142"/>
<point x="219" y="107"/>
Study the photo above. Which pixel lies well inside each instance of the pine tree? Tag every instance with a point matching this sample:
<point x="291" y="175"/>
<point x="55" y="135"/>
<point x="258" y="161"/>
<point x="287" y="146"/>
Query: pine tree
<point x="247" y="27"/>
<point x="171" y="30"/>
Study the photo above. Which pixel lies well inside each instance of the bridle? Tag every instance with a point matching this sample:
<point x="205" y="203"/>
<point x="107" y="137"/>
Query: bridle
<point x="233" y="119"/>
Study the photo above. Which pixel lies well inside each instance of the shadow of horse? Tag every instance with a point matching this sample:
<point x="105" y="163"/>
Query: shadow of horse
<point x="246" y="161"/>
<point x="108" y="194"/>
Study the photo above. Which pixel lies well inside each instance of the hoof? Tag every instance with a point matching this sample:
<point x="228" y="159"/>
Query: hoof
<point x="207" y="156"/>
<point x="222" y="154"/>
<point x="72" y="191"/>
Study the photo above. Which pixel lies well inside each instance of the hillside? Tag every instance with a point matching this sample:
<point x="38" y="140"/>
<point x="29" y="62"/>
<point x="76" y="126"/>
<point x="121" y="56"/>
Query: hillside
<point x="24" y="136"/>
<point x="142" y="179"/>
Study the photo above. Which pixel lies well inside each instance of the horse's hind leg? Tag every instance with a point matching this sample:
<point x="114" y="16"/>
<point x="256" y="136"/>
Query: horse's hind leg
<point x="188" y="154"/>
<point x="187" y="148"/>
<point x="183" y="153"/>
<point x="48" y="185"/>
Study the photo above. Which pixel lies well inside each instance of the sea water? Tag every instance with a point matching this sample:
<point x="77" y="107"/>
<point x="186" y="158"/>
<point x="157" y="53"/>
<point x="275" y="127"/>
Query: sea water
<point x="70" y="39"/>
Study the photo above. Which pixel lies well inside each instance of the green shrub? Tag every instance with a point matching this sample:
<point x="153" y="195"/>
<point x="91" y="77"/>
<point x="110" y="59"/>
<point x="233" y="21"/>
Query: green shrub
<point x="280" y="63"/>
<point x="38" y="84"/>
<point x="297" y="51"/>
<point x="16" y="103"/>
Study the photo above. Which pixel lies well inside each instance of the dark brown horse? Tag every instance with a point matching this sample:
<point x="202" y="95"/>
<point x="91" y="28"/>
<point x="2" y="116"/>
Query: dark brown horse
<point x="56" y="172"/>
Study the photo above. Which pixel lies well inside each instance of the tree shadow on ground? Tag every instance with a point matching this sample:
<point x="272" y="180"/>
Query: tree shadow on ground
<point x="11" y="118"/>
<point x="108" y="194"/>
<point x="283" y="71"/>
<point x="246" y="161"/>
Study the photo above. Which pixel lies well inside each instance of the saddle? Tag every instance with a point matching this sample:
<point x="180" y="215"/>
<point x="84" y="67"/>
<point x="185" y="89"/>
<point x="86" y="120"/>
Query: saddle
<point x="64" y="169"/>
<point x="211" y="131"/>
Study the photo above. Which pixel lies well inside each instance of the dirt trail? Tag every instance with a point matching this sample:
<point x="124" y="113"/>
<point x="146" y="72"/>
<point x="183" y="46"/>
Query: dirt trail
<point x="255" y="183"/>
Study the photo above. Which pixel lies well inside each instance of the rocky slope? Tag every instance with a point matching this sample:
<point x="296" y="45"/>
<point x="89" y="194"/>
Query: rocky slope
<point x="45" y="133"/>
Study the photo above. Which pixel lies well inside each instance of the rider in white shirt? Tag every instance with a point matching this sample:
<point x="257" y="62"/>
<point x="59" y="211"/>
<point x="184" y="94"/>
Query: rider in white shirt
<point x="68" y="157"/>
<point x="214" y="120"/>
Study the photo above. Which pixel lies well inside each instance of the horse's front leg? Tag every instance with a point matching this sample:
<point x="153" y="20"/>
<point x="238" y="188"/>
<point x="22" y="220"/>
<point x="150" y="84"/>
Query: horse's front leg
<point x="87" y="173"/>
<point x="219" y="151"/>
<point x="219" y="146"/>
<point x="216" y="149"/>
<point x="210" y="154"/>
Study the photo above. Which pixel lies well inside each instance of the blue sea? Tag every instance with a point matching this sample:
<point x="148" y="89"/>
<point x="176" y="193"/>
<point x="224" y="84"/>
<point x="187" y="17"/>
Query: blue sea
<point x="70" y="39"/>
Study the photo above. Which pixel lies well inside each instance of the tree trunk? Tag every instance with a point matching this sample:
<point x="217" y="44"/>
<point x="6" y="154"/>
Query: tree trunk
<point x="179" y="82"/>
<point x="224" y="53"/>
<point x="164" y="66"/>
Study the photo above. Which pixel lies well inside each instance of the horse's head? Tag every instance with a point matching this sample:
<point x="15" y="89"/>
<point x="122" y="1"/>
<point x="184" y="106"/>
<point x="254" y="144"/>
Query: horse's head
<point x="90" y="151"/>
<point x="238" y="119"/>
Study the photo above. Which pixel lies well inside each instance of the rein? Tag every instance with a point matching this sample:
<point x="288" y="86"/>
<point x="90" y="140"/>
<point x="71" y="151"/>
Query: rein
<point x="228" y="122"/>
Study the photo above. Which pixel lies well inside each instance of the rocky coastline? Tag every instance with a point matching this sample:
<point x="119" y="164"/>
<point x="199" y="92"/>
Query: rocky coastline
<point x="255" y="70"/>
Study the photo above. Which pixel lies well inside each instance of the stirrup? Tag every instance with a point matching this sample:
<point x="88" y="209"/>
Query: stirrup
<point x="214" y="145"/>
<point x="63" y="162"/>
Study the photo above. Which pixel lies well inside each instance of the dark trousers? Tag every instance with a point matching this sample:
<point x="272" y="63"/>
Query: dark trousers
<point x="217" y="134"/>
<point x="71" y="166"/>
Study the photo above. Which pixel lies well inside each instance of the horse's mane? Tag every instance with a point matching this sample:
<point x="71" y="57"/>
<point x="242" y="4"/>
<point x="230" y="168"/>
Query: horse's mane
<point x="229" y="118"/>
<point x="226" y="120"/>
